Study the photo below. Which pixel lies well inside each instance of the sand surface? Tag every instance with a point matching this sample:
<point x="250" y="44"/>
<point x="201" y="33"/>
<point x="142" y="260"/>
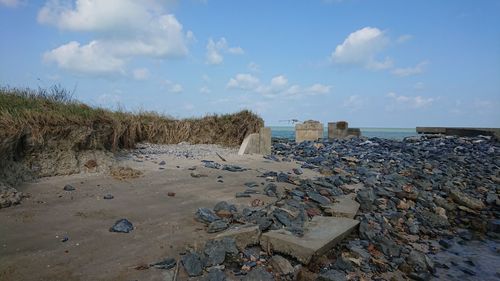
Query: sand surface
<point x="31" y="233"/>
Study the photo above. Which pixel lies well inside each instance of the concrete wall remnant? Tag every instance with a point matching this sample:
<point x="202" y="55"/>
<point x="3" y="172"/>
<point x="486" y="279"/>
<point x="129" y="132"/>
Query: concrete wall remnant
<point x="308" y="131"/>
<point x="341" y="130"/>
<point x="258" y="143"/>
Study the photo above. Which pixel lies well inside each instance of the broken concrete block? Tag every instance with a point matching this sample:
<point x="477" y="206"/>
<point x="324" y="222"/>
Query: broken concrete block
<point x="355" y="132"/>
<point x="250" y="145"/>
<point x="245" y="235"/>
<point x="281" y="265"/>
<point x="337" y="130"/>
<point x="320" y="235"/>
<point x="265" y="141"/>
<point x="308" y="131"/>
<point x="344" y="206"/>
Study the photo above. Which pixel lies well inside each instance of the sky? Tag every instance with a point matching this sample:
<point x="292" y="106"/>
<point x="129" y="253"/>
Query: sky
<point x="387" y="63"/>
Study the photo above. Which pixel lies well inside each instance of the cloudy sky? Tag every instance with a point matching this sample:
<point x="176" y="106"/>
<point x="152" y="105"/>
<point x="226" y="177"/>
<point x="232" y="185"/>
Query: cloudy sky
<point x="384" y="63"/>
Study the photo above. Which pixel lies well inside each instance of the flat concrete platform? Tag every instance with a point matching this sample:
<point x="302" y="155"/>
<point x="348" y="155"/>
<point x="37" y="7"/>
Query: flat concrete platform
<point x="458" y="131"/>
<point x="320" y="235"/>
<point x="344" y="206"/>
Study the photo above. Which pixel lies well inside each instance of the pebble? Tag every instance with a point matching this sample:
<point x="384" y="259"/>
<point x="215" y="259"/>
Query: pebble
<point x="122" y="225"/>
<point x="69" y="187"/>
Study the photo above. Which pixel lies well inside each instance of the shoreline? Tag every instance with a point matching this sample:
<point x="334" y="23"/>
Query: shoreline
<point x="408" y="192"/>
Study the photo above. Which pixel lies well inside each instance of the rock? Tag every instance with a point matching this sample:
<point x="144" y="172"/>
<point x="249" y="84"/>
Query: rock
<point x="69" y="187"/>
<point x="168" y="263"/>
<point x="366" y="197"/>
<point x="162" y="163"/>
<point x="233" y="168"/>
<point x="206" y="215"/>
<point x="332" y="275"/>
<point x="420" y="262"/>
<point x="108" y="197"/>
<point x="281" y="265"/>
<point x="343" y="207"/>
<point x="122" y="225"/>
<point x="271" y="190"/>
<point x="242" y="195"/>
<point x="216" y="250"/>
<point x="258" y="274"/>
<point x="320" y="199"/>
<point x="193" y="264"/>
<point x="494" y="225"/>
<point x="298" y="171"/>
<point x="217" y="226"/>
<point x="466" y="200"/>
<point x="215" y="274"/>
<point x="245" y="235"/>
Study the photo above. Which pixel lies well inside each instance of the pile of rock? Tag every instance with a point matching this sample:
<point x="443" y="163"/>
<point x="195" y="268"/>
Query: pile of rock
<point x="417" y="198"/>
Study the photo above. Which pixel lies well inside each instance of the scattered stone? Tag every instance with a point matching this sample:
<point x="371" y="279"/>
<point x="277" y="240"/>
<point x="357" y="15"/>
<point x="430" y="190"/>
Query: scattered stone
<point x="69" y="187"/>
<point x="171" y="194"/>
<point x="466" y="200"/>
<point x="258" y="274"/>
<point x="122" y="225"/>
<point x="206" y="215"/>
<point x="162" y="163"/>
<point x="332" y="275"/>
<point x="9" y="196"/>
<point x="281" y="265"/>
<point x="242" y="195"/>
<point x="108" y="197"/>
<point x="217" y="226"/>
<point x="167" y="263"/>
<point x="193" y="264"/>
<point x="215" y="274"/>
<point x="245" y="235"/>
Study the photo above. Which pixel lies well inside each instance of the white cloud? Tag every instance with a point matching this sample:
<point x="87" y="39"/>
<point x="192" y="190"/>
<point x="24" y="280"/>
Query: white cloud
<point x="318" y="89"/>
<point x="278" y="85"/>
<point x="354" y="103"/>
<point x="205" y="90"/>
<point x="243" y="81"/>
<point x="252" y="66"/>
<point x="419" y="86"/>
<point x="90" y="59"/>
<point x="124" y="29"/>
<point x="415" y="102"/>
<point x="141" y="73"/>
<point x="215" y="50"/>
<point x="11" y="3"/>
<point x="361" y="48"/>
<point x="418" y="69"/>
<point x="404" y="38"/>
<point x="188" y="107"/>
<point x="279" y="82"/>
<point x="173" y="87"/>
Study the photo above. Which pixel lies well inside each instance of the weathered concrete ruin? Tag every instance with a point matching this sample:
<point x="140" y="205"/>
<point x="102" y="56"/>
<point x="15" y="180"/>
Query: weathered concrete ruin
<point x="257" y="143"/>
<point x="341" y="130"/>
<point x="310" y="130"/>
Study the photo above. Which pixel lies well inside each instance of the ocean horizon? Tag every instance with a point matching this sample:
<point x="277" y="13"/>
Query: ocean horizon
<point x="386" y="133"/>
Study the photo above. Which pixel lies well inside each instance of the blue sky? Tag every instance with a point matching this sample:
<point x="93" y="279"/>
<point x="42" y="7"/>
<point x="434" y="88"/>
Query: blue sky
<point x="373" y="63"/>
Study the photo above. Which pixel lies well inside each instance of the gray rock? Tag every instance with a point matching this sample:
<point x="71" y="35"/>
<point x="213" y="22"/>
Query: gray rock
<point x="242" y="195"/>
<point x="69" y="187"/>
<point x="465" y="200"/>
<point x="216" y="250"/>
<point x="108" y="197"/>
<point x="9" y="196"/>
<point x="217" y="226"/>
<point x="215" y="274"/>
<point x="332" y="275"/>
<point x="193" y="264"/>
<point x="167" y="263"/>
<point x="258" y="274"/>
<point x="365" y="198"/>
<point x="318" y="198"/>
<point x="206" y="215"/>
<point x="281" y="265"/>
<point x="122" y="225"/>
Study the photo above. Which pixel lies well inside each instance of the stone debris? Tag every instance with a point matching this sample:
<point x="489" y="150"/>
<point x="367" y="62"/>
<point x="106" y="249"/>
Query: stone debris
<point x="69" y="187"/>
<point x="122" y="225"/>
<point x="9" y="196"/>
<point x="167" y="263"/>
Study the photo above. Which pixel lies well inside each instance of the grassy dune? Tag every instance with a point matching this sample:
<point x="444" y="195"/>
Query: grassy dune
<point x="36" y="118"/>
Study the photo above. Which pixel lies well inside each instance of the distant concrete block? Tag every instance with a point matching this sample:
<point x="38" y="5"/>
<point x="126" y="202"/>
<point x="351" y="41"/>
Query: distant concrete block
<point x="320" y="235"/>
<point x="250" y="145"/>
<point x="308" y="131"/>
<point x="265" y="141"/>
<point x="245" y="235"/>
<point x="337" y="130"/>
<point x="356" y="132"/>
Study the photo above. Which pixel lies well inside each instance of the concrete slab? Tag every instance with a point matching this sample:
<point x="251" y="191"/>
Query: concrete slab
<point x="344" y="206"/>
<point x="250" y="145"/>
<point x="265" y="141"/>
<point x="320" y="235"/>
<point x="245" y="235"/>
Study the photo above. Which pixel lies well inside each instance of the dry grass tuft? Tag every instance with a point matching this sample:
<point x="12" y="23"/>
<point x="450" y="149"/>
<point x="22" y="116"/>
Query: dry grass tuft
<point x="38" y="119"/>
<point x="125" y="173"/>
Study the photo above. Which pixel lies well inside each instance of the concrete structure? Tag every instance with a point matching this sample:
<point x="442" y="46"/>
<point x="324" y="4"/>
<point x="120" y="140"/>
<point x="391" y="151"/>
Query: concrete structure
<point x="245" y="235"/>
<point x="265" y="141"/>
<point x="340" y="130"/>
<point x="320" y="235"/>
<point x="258" y="143"/>
<point x="344" y="206"/>
<point x="462" y="132"/>
<point x="308" y="131"/>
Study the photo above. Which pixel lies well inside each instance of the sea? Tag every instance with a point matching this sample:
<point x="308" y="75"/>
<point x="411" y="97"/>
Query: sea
<point x="386" y="133"/>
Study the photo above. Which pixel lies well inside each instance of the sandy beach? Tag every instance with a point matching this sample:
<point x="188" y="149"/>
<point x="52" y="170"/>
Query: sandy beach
<point x="31" y="247"/>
